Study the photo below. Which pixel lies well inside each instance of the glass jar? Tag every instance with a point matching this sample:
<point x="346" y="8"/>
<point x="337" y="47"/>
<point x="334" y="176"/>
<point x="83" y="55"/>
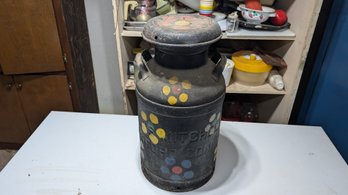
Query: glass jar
<point x="232" y="23"/>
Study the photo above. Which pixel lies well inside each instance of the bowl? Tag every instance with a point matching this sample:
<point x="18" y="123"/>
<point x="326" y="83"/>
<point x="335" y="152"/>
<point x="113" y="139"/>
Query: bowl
<point x="256" y="16"/>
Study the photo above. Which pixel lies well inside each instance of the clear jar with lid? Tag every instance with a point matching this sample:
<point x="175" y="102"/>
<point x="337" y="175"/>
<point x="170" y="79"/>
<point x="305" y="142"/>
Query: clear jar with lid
<point x="232" y="23"/>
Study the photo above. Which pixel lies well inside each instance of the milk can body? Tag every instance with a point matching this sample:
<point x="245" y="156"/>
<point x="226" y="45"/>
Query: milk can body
<point x="180" y="91"/>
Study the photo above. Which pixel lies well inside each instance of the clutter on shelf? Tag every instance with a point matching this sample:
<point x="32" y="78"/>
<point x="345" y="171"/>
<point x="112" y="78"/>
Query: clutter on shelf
<point x="230" y="14"/>
<point x="240" y="108"/>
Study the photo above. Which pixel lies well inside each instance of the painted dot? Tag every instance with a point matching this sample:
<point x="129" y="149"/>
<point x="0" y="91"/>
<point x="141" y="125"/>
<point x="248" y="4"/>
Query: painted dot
<point x="165" y="170"/>
<point x="186" y="84"/>
<point x="183" y="97"/>
<point x="173" y="80"/>
<point x="161" y="133"/>
<point x="141" y="145"/>
<point x="175" y="177"/>
<point x="153" y="139"/>
<point x="176" y="89"/>
<point x="217" y="126"/>
<point x="142" y="154"/>
<point x="212" y="131"/>
<point x="186" y="164"/>
<point x="188" y="175"/>
<point x="182" y="23"/>
<point x="143" y="116"/>
<point x="215" y="154"/>
<point x="153" y="119"/>
<point x="172" y="100"/>
<point x="177" y="170"/>
<point x="150" y="127"/>
<point x="144" y="128"/>
<point x="207" y="128"/>
<point x="170" y="161"/>
<point x="166" y="90"/>
<point x="212" y="118"/>
<point x="219" y="116"/>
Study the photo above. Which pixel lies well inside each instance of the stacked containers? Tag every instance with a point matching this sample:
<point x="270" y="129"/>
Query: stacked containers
<point x="206" y="7"/>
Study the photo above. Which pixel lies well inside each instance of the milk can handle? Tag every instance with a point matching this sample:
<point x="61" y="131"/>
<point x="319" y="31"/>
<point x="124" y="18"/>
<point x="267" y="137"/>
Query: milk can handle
<point x="144" y="70"/>
<point x="220" y="62"/>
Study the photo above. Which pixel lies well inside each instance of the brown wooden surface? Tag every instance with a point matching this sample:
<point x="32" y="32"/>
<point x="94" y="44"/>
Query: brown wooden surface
<point x="11" y="146"/>
<point x="41" y="94"/>
<point x="28" y="37"/>
<point x="73" y="31"/>
<point x="13" y="125"/>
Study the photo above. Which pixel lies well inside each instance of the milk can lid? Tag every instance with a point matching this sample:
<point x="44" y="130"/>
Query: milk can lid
<point x="181" y="30"/>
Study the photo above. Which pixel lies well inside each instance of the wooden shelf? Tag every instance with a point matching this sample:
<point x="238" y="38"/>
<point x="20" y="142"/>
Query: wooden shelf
<point x="129" y="33"/>
<point x="232" y="88"/>
<point x="242" y="34"/>
<point x="243" y="89"/>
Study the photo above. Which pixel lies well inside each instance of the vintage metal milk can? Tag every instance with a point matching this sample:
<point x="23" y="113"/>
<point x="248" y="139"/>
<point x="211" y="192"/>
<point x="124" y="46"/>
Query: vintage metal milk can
<point x="180" y="92"/>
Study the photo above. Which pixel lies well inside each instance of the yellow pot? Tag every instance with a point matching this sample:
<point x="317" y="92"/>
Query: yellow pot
<point x="249" y="68"/>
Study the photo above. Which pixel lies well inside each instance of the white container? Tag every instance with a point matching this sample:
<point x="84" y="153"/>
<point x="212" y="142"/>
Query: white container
<point x="251" y="79"/>
<point x="276" y="80"/>
<point x="193" y="4"/>
<point x="227" y="72"/>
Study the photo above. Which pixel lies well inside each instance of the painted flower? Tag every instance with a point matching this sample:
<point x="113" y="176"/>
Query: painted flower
<point x="214" y="123"/>
<point x="177" y="171"/>
<point x="215" y="153"/>
<point x="149" y="126"/>
<point x="176" y="90"/>
<point x="141" y="150"/>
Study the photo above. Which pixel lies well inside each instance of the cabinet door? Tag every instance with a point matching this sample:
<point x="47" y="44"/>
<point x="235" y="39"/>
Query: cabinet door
<point x="41" y="94"/>
<point x="13" y="125"/>
<point x="29" y="37"/>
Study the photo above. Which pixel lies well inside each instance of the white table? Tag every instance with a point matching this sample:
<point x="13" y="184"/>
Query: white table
<point x="76" y="153"/>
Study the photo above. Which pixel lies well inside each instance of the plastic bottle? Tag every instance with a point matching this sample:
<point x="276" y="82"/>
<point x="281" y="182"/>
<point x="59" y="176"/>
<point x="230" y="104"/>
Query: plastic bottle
<point x="276" y="80"/>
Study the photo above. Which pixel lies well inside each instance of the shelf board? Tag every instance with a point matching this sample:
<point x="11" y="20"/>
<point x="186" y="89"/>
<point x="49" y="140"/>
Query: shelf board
<point x="232" y="88"/>
<point x="241" y="34"/>
<point x="262" y="89"/>
<point x="261" y="35"/>
<point x="129" y="33"/>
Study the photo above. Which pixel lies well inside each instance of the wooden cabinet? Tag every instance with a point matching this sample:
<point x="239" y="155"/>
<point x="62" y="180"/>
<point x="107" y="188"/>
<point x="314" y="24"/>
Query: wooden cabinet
<point x="29" y="37"/>
<point x="26" y="100"/>
<point x="274" y="106"/>
<point x="39" y="94"/>
<point x="13" y="125"/>
<point x="45" y="64"/>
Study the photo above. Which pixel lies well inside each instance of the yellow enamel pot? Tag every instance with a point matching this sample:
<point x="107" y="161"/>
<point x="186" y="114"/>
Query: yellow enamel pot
<point x="249" y="68"/>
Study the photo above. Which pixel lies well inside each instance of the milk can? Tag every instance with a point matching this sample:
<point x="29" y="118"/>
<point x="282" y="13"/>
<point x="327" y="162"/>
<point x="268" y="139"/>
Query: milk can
<point x="180" y="91"/>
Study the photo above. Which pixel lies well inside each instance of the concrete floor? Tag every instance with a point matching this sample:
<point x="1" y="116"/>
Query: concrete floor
<point x="5" y="157"/>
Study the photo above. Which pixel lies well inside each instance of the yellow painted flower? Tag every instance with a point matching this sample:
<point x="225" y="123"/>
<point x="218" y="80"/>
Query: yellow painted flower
<point x="149" y="125"/>
<point x="175" y="91"/>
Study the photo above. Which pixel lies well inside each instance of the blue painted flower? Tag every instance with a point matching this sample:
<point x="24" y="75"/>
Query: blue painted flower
<point x="175" y="171"/>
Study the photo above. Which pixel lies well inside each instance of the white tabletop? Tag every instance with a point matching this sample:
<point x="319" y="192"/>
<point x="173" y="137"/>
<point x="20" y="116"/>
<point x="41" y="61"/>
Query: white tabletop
<point x="76" y="153"/>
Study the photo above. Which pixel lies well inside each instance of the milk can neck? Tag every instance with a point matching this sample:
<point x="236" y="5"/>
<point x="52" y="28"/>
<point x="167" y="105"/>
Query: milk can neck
<point x="180" y="60"/>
